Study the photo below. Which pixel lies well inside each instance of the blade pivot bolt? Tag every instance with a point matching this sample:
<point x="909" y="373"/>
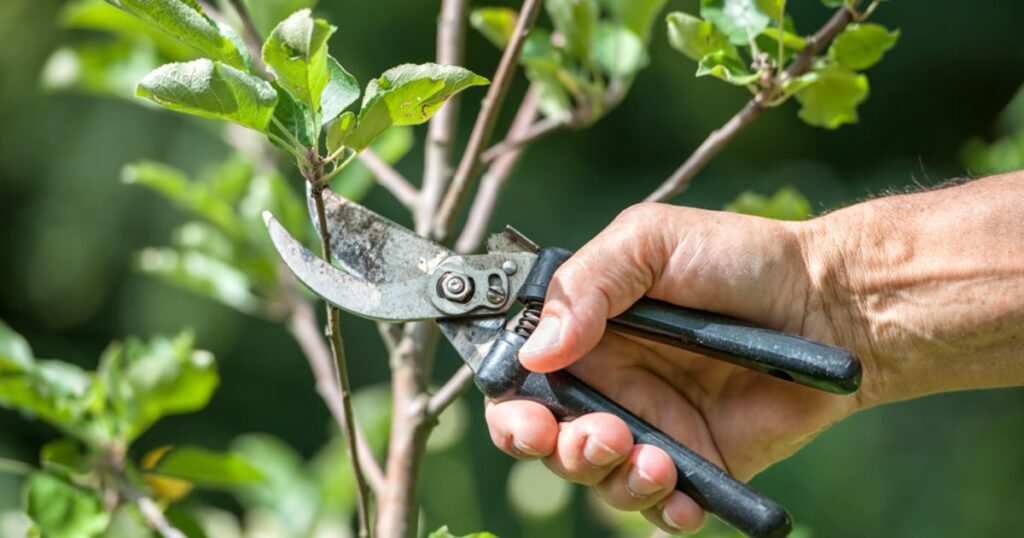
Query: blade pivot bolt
<point x="455" y="287"/>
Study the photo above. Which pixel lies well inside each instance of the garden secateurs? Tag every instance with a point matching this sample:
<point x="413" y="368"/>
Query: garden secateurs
<point x="385" y="272"/>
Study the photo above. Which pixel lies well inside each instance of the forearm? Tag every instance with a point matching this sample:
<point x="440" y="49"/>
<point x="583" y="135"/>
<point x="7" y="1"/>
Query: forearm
<point x="928" y="288"/>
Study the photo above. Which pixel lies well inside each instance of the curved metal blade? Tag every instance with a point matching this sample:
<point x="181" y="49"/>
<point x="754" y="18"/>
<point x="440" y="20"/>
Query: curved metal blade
<point x="372" y="247"/>
<point x="383" y="301"/>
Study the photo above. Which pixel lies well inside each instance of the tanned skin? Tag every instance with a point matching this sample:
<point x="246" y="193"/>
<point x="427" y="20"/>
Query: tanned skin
<point x="927" y="289"/>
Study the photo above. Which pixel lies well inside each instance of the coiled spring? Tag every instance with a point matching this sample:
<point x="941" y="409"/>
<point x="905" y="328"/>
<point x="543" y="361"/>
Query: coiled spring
<point x="529" y="319"/>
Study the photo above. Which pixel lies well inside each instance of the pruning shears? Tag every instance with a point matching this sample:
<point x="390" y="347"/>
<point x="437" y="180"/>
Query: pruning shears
<point x="385" y="272"/>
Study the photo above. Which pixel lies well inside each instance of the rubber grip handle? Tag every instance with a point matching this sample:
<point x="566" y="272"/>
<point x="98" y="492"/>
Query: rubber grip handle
<point x="776" y="353"/>
<point x="502" y="377"/>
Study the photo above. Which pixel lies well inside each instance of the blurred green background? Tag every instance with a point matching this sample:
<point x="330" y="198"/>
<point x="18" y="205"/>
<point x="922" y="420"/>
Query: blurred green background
<point x="945" y="465"/>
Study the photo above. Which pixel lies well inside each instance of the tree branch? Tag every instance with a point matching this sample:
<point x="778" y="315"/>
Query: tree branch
<point x="437" y="166"/>
<point x="486" y="119"/>
<point x="450" y="391"/>
<point x="390" y="179"/>
<point x="529" y="134"/>
<point x="680" y="179"/>
<point x="303" y="326"/>
<point x="333" y="331"/>
<point x="494" y="179"/>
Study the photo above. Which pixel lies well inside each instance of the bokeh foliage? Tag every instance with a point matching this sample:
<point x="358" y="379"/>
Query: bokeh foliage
<point x="74" y="230"/>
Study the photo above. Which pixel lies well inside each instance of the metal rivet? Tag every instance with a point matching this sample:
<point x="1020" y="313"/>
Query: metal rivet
<point x="509" y="267"/>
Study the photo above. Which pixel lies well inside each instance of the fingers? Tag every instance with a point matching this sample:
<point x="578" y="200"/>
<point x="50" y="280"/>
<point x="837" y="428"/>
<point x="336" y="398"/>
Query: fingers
<point x="601" y="280"/>
<point x="522" y="429"/>
<point x="590" y="447"/>
<point x="678" y="514"/>
<point x="646" y="478"/>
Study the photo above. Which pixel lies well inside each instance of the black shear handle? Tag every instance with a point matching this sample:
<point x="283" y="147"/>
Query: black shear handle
<point x="776" y="353"/>
<point x="501" y="377"/>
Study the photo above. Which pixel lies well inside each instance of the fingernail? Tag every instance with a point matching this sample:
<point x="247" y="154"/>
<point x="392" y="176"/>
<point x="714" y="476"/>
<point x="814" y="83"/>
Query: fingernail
<point x="640" y="484"/>
<point x="544" y="337"/>
<point x="665" y="517"/>
<point x="525" y="449"/>
<point x="599" y="454"/>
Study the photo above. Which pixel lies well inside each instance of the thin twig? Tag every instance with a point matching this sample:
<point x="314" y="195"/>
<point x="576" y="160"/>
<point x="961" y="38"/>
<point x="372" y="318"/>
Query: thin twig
<point x="719" y="138"/>
<point x="390" y="179"/>
<point x="450" y="391"/>
<point x="437" y="166"/>
<point x="494" y="179"/>
<point x="530" y="134"/>
<point x="302" y="324"/>
<point x="150" y="511"/>
<point x="333" y="331"/>
<point x="486" y="119"/>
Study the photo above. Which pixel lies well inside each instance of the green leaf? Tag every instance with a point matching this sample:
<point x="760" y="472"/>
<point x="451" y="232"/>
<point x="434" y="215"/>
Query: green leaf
<point x="295" y="117"/>
<point x="830" y="97"/>
<point x="193" y="196"/>
<point x="102" y="16"/>
<point x="786" y="204"/>
<point x="769" y="41"/>
<point x="355" y="181"/>
<point x="696" y="38"/>
<point x="338" y="131"/>
<point x="407" y="95"/>
<point x="59" y="393"/>
<point x="205" y="467"/>
<point x="202" y="274"/>
<point x="185" y="20"/>
<point x="773" y="8"/>
<point x="341" y="91"/>
<point x="151" y="380"/>
<point x="726" y="67"/>
<point x="443" y="532"/>
<point x="15" y="353"/>
<point x="543" y="66"/>
<point x="576" y="21"/>
<point x="618" y="51"/>
<point x="861" y="46"/>
<point x="65" y="458"/>
<point x="495" y="23"/>
<point x="740" y="20"/>
<point x="637" y="15"/>
<point x="212" y="90"/>
<point x="297" y="53"/>
<point x="61" y="510"/>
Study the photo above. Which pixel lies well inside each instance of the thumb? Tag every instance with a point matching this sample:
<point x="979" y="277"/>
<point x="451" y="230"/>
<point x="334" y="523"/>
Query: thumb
<point x="600" y="281"/>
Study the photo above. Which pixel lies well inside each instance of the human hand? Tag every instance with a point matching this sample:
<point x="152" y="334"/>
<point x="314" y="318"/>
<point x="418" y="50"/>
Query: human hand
<point x="741" y="420"/>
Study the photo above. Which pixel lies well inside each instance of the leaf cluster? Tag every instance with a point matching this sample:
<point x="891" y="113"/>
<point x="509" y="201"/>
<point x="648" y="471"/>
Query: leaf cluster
<point x="101" y="413"/>
<point x="749" y="43"/>
<point x="584" y="64"/>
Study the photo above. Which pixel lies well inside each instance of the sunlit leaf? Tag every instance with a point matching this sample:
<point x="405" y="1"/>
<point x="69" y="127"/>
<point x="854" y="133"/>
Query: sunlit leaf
<point x="860" y="46"/>
<point x="200" y="273"/>
<point x="102" y="68"/>
<point x="297" y="53"/>
<point x="211" y="90"/>
<point x="205" y="467"/>
<point x="102" y="16"/>
<point x="61" y="510"/>
<point x="407" y="95"/>
<point x="193" y="196"/>
<point x="618" y="51"/>
<point x="495" y="23"/>
<point x="185" y="20"/>
<point x="342" y="90"/>
<point x="786" y="204"/>
<point x="15" y="353"/>
<point x="726" y="67"/>
<point x="151" y="380"/>
<point x="296" y="119"/>
<point x="576" y="21"/>
<point x="740" y="20"/>
<point x="64" y="457"/>
<point x="696" y="38"/>
<point x="829" y="97"/>
<point x="338" y="131"/>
